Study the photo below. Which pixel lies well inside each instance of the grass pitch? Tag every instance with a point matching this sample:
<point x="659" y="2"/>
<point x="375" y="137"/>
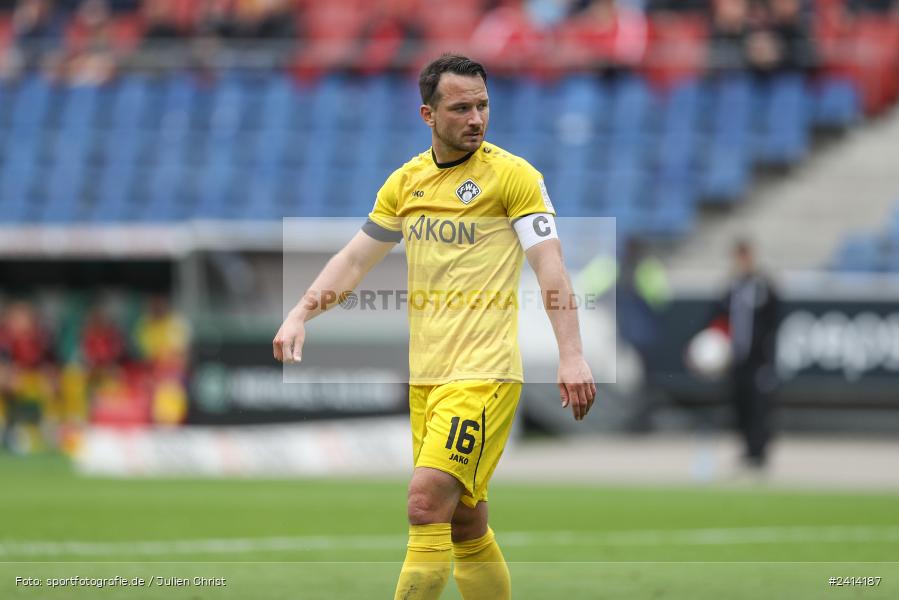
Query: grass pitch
<point x="310" y="539"/>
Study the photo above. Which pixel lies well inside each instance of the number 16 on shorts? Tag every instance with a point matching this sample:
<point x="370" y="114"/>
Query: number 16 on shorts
<point x="461" y="435"/>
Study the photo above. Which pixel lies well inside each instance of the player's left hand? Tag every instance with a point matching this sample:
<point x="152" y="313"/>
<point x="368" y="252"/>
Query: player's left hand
<point x="576" y="386"/>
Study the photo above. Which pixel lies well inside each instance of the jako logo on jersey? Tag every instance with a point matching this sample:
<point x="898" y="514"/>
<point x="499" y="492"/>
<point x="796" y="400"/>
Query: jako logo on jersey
<point x="468" y="191"/>
<point x="442" y="230"/>
<point x="418" y="194"/>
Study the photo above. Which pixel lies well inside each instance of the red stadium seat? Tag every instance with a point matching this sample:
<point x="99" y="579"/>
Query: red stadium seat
<point x="127" y="31"/>
<point x="862" y="48"/>
<point x="332" y="29"/>
<point x="677" y="49"/>
<point x="872" y="61"/>
<point x="186" y="13"/>
<point x="5" y="30"/>
<point x="449" y="22"/>
<point x="341" y="19"/>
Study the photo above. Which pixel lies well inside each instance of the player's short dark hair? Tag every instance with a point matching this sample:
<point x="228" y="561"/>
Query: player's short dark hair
<point x="448" y="63"/>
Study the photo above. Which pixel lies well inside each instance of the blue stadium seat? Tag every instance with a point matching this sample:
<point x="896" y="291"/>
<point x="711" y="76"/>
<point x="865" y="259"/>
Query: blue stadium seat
<point x="406" y="100"/>
<point x="63" y="201"/>
<point x="17" y="179"/>
<point x="215" y="191"/>
<point x="6" y="95"/>
<point x="859" y="253"/>
<point x="676" y="154"/>
<point x="630" y="107"/>
<point x="30" y="110"/>
<point x="179" y="94"/>
<point x="569" y="188"/>
<point x="113" y="195"/>
<point x="894" y="229"/>
<point x="784" y="120"/>
<point x="268" y="195"/>
<point x="673" y="203"/>
<point x="677" y="144"/>
<point x="135" y="103"/>
<point x="366" y="183"/>
<point x="228" y="104"/>
<point x="683" y="106"/>
<point x="125" y="146"/>
<point x="725" y="173"/>
<point x="72" y="147"/>
<point x="21" y="147"/>
<point x="520" y="105"/>
<point x="626" y="155"/>
<point x="583" y="94"/>
<point x="624" y="188"/>
<point x="329" y="102"/>
<point x="269" y="148"/>
<point x="537" y="147"/>
<point x="79" y="114"/>
<point x="836" y="104"/>
<point x="891" y="258"/>
<point x="163" y="199"/>
<point x="170" y="146"/>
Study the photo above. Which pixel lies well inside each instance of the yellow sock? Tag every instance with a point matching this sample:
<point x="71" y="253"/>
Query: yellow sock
<point x="481" y="572"/>
<point x="427" y="565"/>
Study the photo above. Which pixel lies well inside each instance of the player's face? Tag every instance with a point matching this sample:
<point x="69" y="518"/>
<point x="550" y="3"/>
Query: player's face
<point x="459" y="120"/>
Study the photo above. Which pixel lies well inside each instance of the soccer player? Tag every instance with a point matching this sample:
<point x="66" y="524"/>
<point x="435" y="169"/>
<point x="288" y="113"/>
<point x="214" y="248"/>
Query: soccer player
<point x="469" y="213"/>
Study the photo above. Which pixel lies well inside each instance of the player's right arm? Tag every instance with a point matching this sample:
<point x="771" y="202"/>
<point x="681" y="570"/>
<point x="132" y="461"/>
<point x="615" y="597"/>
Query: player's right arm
<point x="342" y="274"/>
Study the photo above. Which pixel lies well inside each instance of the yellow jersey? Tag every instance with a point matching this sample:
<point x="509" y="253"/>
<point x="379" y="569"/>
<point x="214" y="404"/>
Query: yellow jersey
<point x="464" y="259"/>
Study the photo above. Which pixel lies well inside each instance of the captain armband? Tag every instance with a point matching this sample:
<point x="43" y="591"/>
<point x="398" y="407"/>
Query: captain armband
<point x="535" y="228"/>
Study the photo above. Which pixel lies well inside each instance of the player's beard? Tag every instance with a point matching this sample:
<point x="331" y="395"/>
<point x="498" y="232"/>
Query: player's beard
<point x="458" y="143"/>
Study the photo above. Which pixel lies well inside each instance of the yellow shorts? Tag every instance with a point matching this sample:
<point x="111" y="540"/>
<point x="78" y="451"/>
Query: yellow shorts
<point x="461" y="428"/>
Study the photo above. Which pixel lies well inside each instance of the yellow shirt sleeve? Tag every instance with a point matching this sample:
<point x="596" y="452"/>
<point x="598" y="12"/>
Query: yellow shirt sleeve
<point x="525" y="192"/>
<point x="384" y="212"/>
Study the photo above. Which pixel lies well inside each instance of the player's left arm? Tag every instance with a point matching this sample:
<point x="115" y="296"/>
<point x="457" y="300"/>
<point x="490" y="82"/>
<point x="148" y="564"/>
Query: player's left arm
<point x="576" y="386"/>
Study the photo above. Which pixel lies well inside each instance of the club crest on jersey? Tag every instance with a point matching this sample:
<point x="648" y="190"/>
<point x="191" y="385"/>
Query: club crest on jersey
<point x="468" y="191"/>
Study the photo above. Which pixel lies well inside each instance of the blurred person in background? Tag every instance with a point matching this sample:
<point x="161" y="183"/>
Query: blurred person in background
<point x="231" y="32"/>
<point x="760" y="37"/>
<point x="102" y="342"/>
<point x="728" y="38"/>
<point x="796" y="47"/>
<point x="507" y="37"/>
<point x="390" y="39"/>
<point x="266" y="19"/>
<point x="164" y="43"/>
<point x="751" y="308"/>
<point x="779" y="39"/>
<point x="882" y="7"/>
<point x="605" y="36"/>
<point x="161" y="334"/>
<point x="36" y="34"/>
<point x="678" y="6"/>
<point x="29" y="386"/>
<point x="159" y="22"/>
<point x="91" y="57"/>
<point x="163" y="337"/>
<point x="100" y="362"/>
<point x="642" y="294"/>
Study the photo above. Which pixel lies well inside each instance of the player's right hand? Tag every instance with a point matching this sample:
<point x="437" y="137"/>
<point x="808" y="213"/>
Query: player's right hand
<point x="287" y="347"/>
<point x="577" y="388"/>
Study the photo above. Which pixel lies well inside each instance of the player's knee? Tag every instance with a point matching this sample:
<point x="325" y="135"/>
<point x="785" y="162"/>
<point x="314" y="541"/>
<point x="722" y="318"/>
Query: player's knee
<point x="424" y="508"/>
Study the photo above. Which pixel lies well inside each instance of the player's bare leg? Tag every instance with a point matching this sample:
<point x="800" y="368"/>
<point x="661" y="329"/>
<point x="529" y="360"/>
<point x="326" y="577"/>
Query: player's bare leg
<point x="480" y="572"/>
<point x="433" y="498"/>
<point x="469" y="523"/>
